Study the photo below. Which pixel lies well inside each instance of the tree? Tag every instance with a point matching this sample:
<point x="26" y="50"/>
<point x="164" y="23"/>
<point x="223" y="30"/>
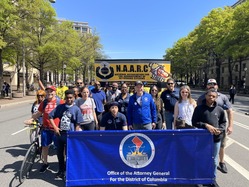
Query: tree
<point x="211" y="31"/>
<point x="8" y="19"/>
<point x="38" y="34"/>
<point x="235" y="44"/>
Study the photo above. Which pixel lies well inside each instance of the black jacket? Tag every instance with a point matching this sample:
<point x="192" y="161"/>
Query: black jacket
<point x="214" y="116"/>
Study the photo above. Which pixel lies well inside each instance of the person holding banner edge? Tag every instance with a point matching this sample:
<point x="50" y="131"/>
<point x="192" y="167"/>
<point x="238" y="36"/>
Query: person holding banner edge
<point x="222" y="101"/>
<point x="210" y="116"/>
<point x="70" y="119"/>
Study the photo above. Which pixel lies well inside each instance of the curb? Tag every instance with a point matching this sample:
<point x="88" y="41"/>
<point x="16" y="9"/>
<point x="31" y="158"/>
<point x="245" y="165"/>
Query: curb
<point x="15" y="103"/>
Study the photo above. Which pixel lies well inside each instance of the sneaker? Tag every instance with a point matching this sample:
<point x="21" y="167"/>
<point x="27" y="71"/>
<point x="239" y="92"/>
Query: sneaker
<point x="60" y="175"/>
<point x="44" y="168"/>
<point x="223" y="167"/>
<point x="199" y="185"/>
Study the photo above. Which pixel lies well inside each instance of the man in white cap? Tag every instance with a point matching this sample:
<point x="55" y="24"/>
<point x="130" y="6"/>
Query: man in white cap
<point x="222" y="101"/>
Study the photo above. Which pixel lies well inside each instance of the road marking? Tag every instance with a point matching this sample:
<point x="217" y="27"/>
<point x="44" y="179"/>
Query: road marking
<point x="234" y="164"/>
<point x="19" y="131"/>
<point x="241" y="125"/>
<point x="240" y="114"/>
<point x="237" y="167"/>
<point x="230" y="141"/>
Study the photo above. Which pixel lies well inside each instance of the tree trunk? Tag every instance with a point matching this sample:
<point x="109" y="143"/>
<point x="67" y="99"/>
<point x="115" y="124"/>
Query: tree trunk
<point x="240" y="73"/>
<point x="230" y="70"/>
<point x="27" y="77"/>
<point x="218" y="67"/>
<point x="84" y="73"/>
<point x="1" y="69"/>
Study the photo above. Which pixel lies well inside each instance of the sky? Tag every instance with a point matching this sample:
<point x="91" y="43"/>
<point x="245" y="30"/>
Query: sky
<point x="138" y="29"/>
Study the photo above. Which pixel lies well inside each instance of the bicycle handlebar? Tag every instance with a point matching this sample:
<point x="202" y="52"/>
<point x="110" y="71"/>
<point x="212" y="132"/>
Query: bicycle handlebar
<point x="31" y="123"/>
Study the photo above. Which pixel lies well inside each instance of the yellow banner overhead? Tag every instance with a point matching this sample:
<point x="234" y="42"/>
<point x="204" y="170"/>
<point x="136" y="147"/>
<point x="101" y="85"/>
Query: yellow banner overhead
<point x="149" y="70"/>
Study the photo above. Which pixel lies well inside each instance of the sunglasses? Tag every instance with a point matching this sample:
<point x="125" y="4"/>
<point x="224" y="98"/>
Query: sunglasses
<point x="79" y="82"/>
<point x="170" y="83"/>
<point x="40" y="95"/>
<point x="212" y="84"/>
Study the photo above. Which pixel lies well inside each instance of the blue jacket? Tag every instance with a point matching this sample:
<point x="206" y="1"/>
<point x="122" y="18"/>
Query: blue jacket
<point x="144" y="113"/>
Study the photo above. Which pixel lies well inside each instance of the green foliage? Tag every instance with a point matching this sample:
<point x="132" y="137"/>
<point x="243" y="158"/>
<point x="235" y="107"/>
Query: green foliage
<point x="209" y="38"/>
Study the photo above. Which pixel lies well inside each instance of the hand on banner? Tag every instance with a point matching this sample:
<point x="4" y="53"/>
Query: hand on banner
<point x="213" y="130"/>
<point x="164" y="125"/>
<point x="153" y="125"/>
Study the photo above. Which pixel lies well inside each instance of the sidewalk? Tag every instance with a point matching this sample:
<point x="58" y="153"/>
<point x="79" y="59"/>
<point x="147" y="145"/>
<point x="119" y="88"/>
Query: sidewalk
<point x="4" y="102"/>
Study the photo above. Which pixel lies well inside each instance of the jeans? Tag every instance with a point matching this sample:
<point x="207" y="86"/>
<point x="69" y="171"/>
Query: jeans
<point x="88" y="126"/>
<point x="216" y="156"/>
<point x="142" y="126"/>
<point x="169" y="118"/>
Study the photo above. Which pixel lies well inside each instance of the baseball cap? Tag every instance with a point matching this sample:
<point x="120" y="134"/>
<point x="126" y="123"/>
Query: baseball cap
<point x="211" y="81"/>
<point x="139" y="82"/>
<point x="113" y="103"/>
<point x="51" y="87"/>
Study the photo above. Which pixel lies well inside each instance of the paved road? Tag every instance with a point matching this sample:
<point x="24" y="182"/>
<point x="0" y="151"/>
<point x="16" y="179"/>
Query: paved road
<point x="14" y="143"/>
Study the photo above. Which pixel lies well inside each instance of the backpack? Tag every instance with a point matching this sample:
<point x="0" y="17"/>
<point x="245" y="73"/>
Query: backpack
<point x="45" y="102"/>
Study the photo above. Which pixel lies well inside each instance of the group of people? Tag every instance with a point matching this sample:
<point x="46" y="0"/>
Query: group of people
<point x="63" y="109"/>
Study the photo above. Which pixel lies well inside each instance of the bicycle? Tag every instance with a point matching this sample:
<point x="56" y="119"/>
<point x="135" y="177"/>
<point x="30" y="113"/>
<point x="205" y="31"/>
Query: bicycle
<point x="32" y="153"/>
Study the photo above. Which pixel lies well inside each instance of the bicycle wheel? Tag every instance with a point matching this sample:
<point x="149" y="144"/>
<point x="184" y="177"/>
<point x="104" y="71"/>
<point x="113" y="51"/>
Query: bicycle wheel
<point x="28" y="162"/>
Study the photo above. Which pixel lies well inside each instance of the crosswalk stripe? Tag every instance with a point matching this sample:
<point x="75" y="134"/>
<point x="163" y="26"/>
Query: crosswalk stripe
<point x="230" y="141"/>
<point x="237" y="167"/>
<point x="241" y="125"/>
<point x="234" y="164"/>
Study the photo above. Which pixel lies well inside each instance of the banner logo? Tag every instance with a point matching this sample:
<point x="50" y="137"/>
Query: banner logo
<point x="158" y="72"/>
<point x="104" y="71"/>
<point x="137" y="150"/>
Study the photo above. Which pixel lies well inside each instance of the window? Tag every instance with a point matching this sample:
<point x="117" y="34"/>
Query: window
<point x="236" y="67"/>
<point x="244" y="66"/>
<point x="222" y="70"/>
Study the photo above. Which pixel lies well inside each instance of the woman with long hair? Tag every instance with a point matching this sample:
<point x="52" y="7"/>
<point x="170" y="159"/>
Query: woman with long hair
<point x="159" y="107"/>
<point x="87" y="107"/>
<point x="184" y="107"/>
<point x="40" y="96"/>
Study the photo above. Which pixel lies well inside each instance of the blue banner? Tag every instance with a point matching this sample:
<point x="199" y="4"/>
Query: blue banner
<point x="139" y="157"/>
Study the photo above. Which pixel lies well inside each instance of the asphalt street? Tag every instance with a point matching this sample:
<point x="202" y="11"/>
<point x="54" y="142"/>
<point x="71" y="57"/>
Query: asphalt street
<point x="14" y="143"/>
